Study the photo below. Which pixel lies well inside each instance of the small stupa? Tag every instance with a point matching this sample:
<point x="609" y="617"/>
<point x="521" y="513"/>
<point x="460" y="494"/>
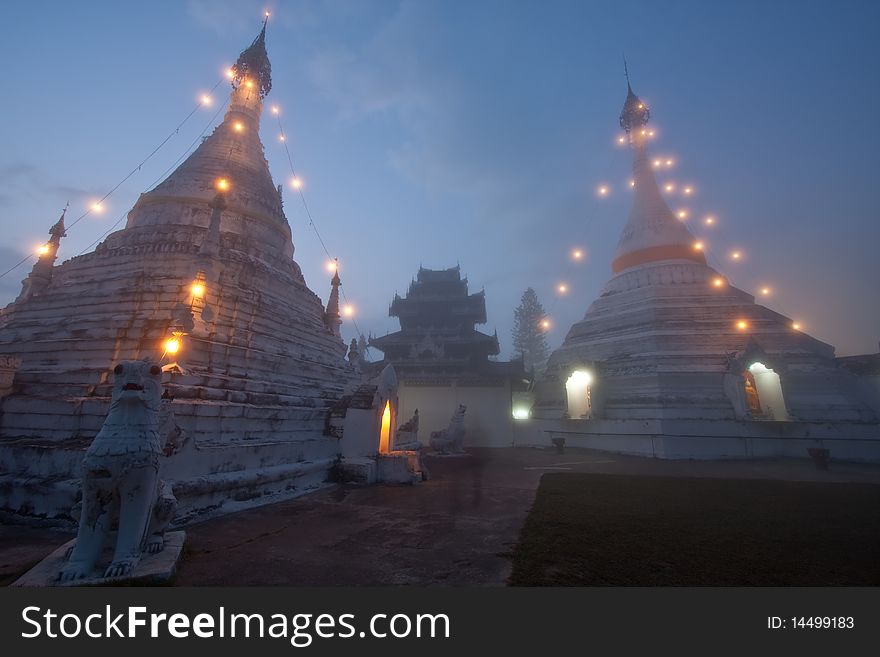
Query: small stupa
<point x="673" y="360"/>
<point x="202" y="280"/>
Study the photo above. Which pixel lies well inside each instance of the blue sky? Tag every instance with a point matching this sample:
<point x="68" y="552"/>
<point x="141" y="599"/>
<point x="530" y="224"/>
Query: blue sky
<point x="477" y="133"/>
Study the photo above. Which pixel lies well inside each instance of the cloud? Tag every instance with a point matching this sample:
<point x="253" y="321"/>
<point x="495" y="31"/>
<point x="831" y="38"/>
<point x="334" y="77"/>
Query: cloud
<point x="465" y="127"/>
<point x="18" y="170"/>
<point x="235" y="17"/>
<point x="223" y="17"/>
<point x="25" y="180"/>
<point x="68" y="192"/>
<point x="10" y="284"/>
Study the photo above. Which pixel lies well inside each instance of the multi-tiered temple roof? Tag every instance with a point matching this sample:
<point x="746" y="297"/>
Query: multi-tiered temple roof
<point x="437" y="332"/>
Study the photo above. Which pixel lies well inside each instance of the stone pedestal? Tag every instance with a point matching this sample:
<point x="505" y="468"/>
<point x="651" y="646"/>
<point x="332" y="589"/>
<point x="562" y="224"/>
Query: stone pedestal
<point x="152" y="569"/>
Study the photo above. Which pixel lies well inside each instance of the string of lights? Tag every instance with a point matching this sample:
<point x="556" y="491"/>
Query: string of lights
<point x="98" y="206"/>
<point x="160" y="178"/>
<point x="297" y="184"/>
<point x="577" y="255"/>
<point x="709" y="221"/>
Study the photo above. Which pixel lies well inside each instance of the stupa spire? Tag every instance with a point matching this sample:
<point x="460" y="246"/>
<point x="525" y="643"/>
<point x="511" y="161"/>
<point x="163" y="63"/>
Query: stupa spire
<point x="652" y="233"/>
<point x="41" y="273"/>
<point x="253" y="65"/>
<point x="232" y="162"/>
<point x="332" y="320"/>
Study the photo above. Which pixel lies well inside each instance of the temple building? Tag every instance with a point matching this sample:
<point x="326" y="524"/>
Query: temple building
<point x="674" y="361"/>
<point x="442" y="361"/>
<point x="201" y="280"/>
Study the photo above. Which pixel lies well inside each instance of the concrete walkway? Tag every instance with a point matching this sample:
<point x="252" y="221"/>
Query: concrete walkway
<point x="455" y="529"/>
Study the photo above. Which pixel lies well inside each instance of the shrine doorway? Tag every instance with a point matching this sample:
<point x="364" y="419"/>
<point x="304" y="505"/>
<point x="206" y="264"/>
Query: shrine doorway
<point x="764" y="397"/>
<point x="578" y="394"/>
<point x="385" y="430"/>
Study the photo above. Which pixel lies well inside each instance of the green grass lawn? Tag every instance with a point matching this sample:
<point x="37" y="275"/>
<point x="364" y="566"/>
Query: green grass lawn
<point x="614" y="530"/>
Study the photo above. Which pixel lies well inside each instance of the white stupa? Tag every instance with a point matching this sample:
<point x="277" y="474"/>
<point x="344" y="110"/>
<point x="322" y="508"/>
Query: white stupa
<point x="672" y="360"/>
<point x="205" y="260"/>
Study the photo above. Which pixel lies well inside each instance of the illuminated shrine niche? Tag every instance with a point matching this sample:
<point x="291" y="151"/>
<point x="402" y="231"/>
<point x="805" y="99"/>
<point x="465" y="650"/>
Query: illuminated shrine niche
<point x="385" y="431"/>
<point x="577" y="389"/>
<point x="764" y="393"/>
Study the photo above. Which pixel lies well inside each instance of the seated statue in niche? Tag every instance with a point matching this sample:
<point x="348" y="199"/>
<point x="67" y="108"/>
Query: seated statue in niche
<point x="121" y="485"/>
<point x="451" y="439"/>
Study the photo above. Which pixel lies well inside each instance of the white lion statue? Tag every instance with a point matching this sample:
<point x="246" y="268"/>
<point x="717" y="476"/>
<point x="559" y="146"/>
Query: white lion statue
<point x="121" y="485"/>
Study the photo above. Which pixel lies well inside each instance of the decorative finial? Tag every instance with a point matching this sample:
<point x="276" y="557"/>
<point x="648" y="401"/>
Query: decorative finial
<point x="635" y="113"/>
<point x="332" y="319"/>
<point x="254" y="63"/>
<point x="57" y="231"/>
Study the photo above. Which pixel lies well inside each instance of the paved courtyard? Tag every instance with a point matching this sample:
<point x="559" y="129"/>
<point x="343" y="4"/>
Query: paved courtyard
<point x="456" y="529"/>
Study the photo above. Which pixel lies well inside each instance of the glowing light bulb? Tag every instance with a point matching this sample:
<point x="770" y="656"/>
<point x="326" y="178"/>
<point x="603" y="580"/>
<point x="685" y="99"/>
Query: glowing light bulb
<point x="198" y="290"/>
<point x="670" y="187"/>
<point x="796" y="326"/>
<point x="688" y="191"/>
<point x="248" y="84"/>
<point x="43" y="249"/>
<point x="348" y="310"/>
<point x="332" y="265"/>
<point x="650" y="133"/>
<point x="621" y="140"/>
<point x="545" y="323"/>
<point x="698" y="246"/>
<point x="172" y="345"/>
<point x="222" y="184"/>
<point x="603" y="190"/>
<point x="765" y="291"/>
<point x="281" y="138"/>
<point x="238" y="126"/>
<point x="563" y="288"/>
<point x="632" y="183"/>
<point x="682" y="214"/>
<point x="577" y="254"/>
<point x="206" y="100"/>
<point x="718" y="282"/>
<point x="275" y="109"/>
<point x="736" y="255"/>
<point x="657" y="163"/>
<point x="742" y="325"/>
<point x="669" y="163"/>
<point x="97" y="207"/>
<point x="230" y="73"/>
<point x="296" y="183"/>
<point x="710" y="221"/>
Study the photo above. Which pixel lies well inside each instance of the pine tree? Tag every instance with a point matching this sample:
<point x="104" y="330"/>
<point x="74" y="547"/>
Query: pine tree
<point x="528" y="334"/>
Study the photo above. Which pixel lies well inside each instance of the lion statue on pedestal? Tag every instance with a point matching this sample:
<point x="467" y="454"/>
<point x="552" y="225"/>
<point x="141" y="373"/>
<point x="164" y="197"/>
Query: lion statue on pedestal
<point x="121" y="485"/>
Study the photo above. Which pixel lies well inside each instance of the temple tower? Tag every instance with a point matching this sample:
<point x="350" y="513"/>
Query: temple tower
<point x="442" y="360"/>
<point x="332" y="320"/>
<point x="41" y="273"/>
